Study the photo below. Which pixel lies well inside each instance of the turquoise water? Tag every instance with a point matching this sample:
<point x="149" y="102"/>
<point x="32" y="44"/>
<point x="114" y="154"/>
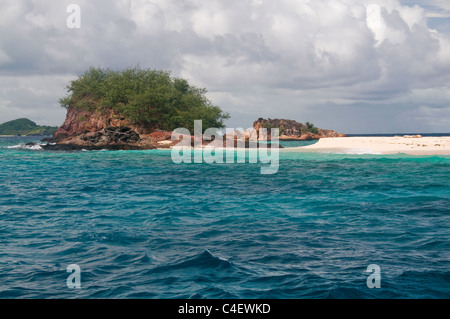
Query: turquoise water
<point x="140" y="226"/>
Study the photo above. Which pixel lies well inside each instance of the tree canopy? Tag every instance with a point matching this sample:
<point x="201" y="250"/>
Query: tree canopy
<point x="310" y="128"/>
<point x="145" y="97"/>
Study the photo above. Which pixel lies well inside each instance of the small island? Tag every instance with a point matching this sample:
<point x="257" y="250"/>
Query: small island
<point x="133" y="109"/>
<point x="137" y="109"/>
<point x="290" y="130"/>
<point x="25" y="127"/>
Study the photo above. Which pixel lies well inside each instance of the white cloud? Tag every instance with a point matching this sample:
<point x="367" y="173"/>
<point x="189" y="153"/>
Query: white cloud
<point x="34" y="97"/>
<point x="256" y="57"/>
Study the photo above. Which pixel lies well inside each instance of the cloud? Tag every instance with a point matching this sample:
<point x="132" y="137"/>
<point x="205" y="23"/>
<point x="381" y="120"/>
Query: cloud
<point x="34" y="97"/>
<point x="4" y="58"/>
<point x="317" y="59"/>
<point x="431" y="117"/>
<point x="443" y="5"/>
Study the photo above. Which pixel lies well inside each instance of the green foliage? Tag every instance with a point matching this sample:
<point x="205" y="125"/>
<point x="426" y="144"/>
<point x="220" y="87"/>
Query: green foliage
<point x="310" y="128"/>
<point x="147" y="97"/>
<point x="271" y="126"/>
<point x="25" y="127"/>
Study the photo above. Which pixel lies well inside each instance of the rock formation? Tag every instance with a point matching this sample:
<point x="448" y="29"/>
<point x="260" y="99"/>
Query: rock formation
<point x="292" y="130"/>
<point x="79" y="121"/>
<point x="84" y="129"/>
<point x="92" y="130"/>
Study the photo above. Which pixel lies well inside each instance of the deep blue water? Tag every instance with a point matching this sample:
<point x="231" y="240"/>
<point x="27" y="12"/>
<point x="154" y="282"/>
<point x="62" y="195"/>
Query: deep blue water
<point x="140" y="226"/>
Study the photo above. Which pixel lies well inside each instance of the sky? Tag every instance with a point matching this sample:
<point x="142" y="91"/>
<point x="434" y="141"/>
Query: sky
<point x="377" y="66"/>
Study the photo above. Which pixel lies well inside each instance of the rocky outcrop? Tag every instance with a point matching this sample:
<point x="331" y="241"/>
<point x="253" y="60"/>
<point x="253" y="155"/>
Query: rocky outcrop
<point x="112" y="135"/>
<point x="79" y="121"/>
<point x="110" y="138"/>
<point x="84" y="129"/>
<point x="293" y="130"/>
<point x="290" y="127"/>
<point x="330" y="133"/>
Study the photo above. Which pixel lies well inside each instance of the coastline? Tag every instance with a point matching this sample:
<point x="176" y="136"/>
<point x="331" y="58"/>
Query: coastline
<point x="410" y="145"/>
<point x="381" y="145"/>
<point x="30" y="135"/>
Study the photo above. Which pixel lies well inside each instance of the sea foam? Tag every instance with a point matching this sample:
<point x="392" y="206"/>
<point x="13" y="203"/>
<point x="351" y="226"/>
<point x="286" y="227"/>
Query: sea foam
<point x="34" y="147"/>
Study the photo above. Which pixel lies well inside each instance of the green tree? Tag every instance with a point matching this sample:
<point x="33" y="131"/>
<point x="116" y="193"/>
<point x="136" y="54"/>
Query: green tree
<point x="146" y="97"/>
<point x="310" y="128"/>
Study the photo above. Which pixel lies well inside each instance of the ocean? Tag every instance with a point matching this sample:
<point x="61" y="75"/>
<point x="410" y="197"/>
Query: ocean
<point x="140" y="226"/>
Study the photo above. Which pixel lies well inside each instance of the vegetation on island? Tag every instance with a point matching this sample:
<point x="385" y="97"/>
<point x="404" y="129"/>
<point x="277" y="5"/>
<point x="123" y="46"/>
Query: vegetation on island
<point x="270" y="126"/>
<point x="145" y="97"/>
<point x="310" y="128"/>
<point x="25" y="126"/>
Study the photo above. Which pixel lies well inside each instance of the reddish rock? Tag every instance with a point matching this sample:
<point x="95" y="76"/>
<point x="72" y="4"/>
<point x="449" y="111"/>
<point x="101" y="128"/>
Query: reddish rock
<point x="160" y="136"/>
<point x="292" y="130"/>
<point x="80" y="121"/>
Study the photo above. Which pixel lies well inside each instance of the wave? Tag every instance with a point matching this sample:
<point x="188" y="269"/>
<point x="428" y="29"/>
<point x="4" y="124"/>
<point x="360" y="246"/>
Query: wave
<point x="429" y="284"/>
<point x="356" y="151"/>
<point x="28" y="146"/>
<point x="348" y="293"/>
<point x="139" y="226"/>
<point x="440" y="278"/>
<point x="204" y="260"/>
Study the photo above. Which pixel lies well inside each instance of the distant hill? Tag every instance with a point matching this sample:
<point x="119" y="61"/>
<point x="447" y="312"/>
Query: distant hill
<point x="25" y="127"/>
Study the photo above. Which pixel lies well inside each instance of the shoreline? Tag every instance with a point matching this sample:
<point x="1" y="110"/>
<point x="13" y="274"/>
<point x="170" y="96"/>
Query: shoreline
<point x="32" y="135"/>
<point x="410" y="145"/>
<point x="380" y="145"/>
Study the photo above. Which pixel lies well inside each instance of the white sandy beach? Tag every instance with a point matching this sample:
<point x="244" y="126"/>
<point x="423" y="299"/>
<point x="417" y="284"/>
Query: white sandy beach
<point x="381" y="145"/>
